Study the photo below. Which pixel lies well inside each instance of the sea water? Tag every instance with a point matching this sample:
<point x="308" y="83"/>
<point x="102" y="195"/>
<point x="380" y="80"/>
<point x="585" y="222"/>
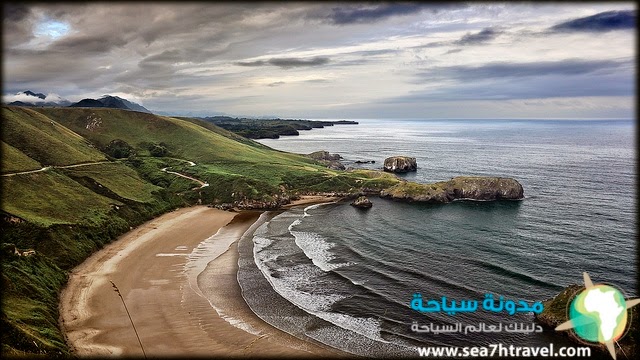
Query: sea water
<point x="345" y="277"/>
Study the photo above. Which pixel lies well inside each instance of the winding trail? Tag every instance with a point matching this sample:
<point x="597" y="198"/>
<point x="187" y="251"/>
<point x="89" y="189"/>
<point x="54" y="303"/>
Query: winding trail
<point x="191" y="163"/>
<point x="202" y="183"/>
<point x="57" y="167"/>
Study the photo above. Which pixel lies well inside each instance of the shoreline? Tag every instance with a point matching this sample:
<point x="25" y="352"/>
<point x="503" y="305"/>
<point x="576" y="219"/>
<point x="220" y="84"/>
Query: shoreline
<point x="149" y="266"/>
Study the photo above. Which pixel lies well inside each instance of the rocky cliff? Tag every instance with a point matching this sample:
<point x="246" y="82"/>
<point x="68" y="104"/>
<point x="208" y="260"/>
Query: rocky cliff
<point x="461" y="187"/>
<point x="362" y="202"/>
<point x="329" y="160"/>
<point x="400" y="164"/>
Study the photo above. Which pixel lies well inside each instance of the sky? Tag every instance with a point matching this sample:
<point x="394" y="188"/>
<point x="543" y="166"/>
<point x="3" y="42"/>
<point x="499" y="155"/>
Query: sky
<point x="330" y="60"/>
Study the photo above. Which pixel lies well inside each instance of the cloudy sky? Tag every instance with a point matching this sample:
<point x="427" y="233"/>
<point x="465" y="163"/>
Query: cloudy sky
<point x="331" y="60"/>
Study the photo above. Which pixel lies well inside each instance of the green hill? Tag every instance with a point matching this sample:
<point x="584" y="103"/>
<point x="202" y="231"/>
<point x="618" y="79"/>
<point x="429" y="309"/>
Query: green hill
<point x="45" y="140"/>
<point x="94" y="173"/>
<point x="14" y="160"/>
<point x="185" y="139"/>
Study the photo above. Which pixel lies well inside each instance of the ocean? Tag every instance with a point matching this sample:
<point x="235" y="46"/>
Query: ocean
<point x="345" y="277"/>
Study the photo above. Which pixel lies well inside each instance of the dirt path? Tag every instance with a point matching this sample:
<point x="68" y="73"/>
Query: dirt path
<point x="191" y="163"/>
<point x="202" y="183"/>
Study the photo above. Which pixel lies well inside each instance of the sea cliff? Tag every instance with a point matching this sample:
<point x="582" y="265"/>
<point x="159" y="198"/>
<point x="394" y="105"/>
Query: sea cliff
<point x="461" y="187"/>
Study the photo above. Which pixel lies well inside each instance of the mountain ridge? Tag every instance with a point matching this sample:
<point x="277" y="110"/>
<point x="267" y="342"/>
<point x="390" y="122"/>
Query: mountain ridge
<point x="112" y="102"/>
<point x="30" y="98"/>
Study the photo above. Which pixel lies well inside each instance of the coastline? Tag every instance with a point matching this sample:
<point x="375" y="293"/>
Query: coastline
<point x="172" y="319"/>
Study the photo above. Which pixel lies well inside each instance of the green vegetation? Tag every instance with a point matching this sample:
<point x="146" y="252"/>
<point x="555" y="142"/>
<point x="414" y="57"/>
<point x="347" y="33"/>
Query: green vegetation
<point x="124" y="181"/>
<point x="14" y="160"/>
<point x="411" y="189"/>
<point x="118" y="149"/>
<point x="460" y="187"/>
<point x="48" y="197"/>
<point x="45" y="140"/>
<point x="65" y="213"/>
<point x="269" y="128"/>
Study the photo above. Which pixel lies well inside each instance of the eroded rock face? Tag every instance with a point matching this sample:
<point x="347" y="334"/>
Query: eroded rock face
<point x="461" y="187"/>
<point x="328" y="159"/>
<point x="336" y="165"/>
<point x="324" y="155"/>
<point x="362" y="202"/>
<point x="400" y="164"/>
<point x="485" y="188"/>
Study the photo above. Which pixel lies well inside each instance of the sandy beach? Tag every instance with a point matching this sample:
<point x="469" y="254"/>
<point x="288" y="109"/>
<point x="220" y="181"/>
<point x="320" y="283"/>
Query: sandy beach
<point x="170" y="314"/>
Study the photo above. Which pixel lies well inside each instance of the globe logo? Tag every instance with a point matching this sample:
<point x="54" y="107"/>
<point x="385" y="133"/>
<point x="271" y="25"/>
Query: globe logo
<point x="598" y="314"/>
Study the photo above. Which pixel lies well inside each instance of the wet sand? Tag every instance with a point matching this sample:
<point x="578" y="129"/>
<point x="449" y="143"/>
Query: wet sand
<point x="171" y="317"/>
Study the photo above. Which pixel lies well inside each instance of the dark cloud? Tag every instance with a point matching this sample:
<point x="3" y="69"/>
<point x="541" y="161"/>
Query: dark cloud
<point x="483" y="36"/>
<point x="277" y="83"/>
<point x="373" y="52"/>
<point x="17" y="24"/>
<point x="15" y="12"/>
<point x="185" y="54"/>
<point x="251" y="63"/>
<point x="453" y="51"/>
<point x="519" y="70"/>
<point x="83" y="44"/>
<point x="479" y="37"/>
<point x="535" y="80"/>
<point x="286" y="63"/>
<point x="541" y="87"/>
<point x="369" y="14"/>
<point x="372" y="12"/>
<point x="601" y="22"/>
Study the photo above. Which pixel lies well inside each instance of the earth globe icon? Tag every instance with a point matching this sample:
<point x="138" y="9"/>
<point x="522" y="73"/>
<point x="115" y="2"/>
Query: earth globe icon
<point x="598" y="314"/>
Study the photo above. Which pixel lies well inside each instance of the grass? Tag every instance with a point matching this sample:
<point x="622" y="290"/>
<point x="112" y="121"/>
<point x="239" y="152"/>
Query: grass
<point x="184" y="139"/>
<point x="14" y="160"/>
<point x="30" y="304"/>
<point x="117" y="177"/>
<point x="43" y="139"/>
<point x="411" y="189"/>
<point x="49" y="197"/>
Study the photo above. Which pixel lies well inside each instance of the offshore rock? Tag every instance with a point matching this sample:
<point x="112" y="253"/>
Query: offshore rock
<point x="329" y="160"/>
<point x="324" y="155"/>
<point x="461" y="187"/>
<point x="400" y="164"/>
<point x="362" y="202"/>
<point x="336" y="165"/>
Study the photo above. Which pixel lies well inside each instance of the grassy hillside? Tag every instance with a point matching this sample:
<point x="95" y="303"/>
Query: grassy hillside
<point x="45" y="140"/>
<point x="14" y="160"/>
<point x="47" y="198"/>
<point x="117" y="177"/>
<point x="75" y="206"/>
<point x="185" y="139"/>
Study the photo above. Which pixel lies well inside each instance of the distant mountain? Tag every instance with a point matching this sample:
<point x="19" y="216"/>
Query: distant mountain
<point x="30" y="98"/>
<point x="113" y="102"/>
<point x="88" y="103"/>
<point x="38" y="95"/>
